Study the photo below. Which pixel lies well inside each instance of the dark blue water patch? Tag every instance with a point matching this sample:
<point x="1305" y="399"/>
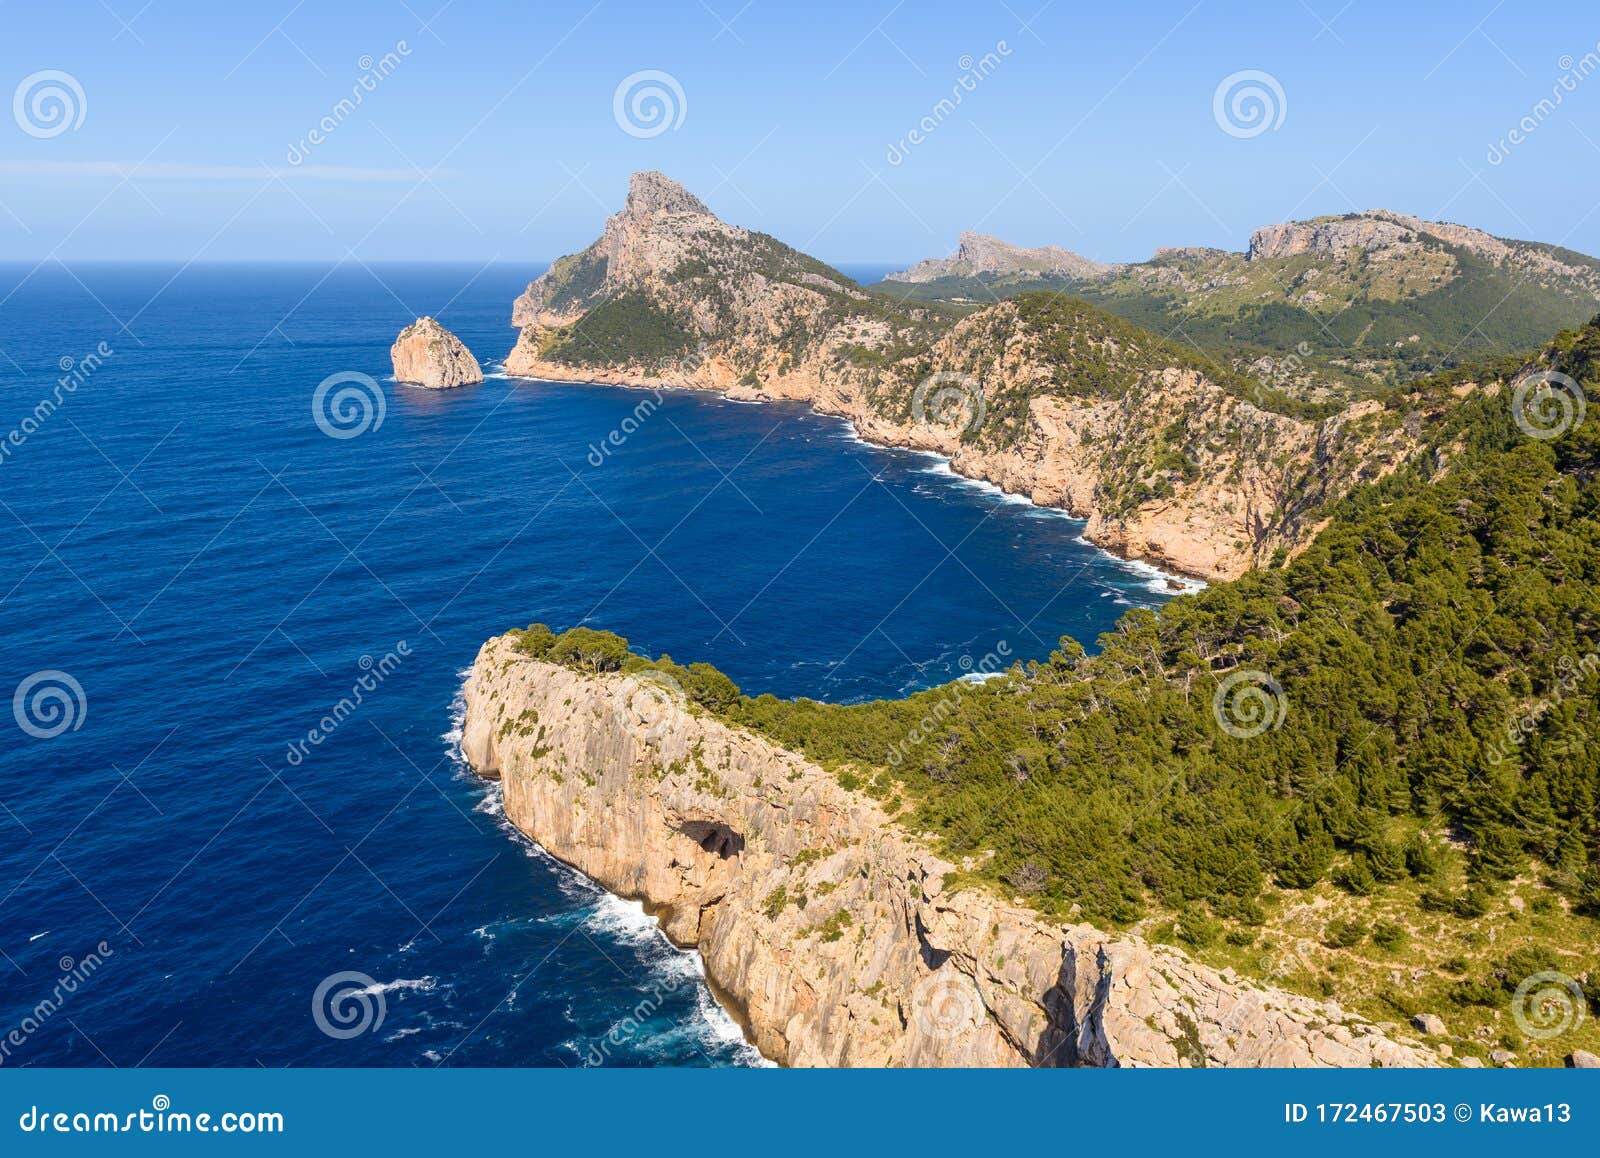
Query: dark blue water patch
<point x="183" y="866"/>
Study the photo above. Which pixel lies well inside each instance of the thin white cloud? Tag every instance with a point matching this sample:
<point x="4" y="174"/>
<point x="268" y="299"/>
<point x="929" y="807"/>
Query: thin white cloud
<point x="180" y="171"/>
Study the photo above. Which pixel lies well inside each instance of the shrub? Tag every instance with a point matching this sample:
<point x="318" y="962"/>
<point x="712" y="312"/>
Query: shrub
<point x="1390" y="936"/>
<point x="1343" y="932"/>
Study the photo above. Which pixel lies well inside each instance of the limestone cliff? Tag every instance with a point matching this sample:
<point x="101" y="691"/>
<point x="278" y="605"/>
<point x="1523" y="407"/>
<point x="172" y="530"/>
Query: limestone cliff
<point x="427" y="354"/>
<point x="834" y="935"/>
<point x="1169" y="458"/>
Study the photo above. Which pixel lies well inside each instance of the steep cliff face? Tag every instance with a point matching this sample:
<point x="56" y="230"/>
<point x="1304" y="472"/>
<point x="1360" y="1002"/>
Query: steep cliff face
<point x="427" y="354"/>
<point x="832" y="933"/>
<point x="1044" y="396"/>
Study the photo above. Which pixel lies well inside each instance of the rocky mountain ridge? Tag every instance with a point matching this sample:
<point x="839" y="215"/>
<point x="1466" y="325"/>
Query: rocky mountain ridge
<point x="1359" y="299"/>
<point x="978" y="255"/>
<point x="837" y="938"/>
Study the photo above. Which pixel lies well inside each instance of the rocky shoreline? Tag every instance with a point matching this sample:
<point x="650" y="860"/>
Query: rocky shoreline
<point x="1178" y="578"/>
<point x="834" y="936"/>
<point x="1167" y="460"/>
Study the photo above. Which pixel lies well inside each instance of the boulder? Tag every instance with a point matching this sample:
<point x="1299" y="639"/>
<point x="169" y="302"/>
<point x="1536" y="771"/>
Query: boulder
<point x="1429" y="1023"/>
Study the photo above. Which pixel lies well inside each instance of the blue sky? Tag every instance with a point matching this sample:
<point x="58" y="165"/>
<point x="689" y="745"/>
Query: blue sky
<point x="494" y="134"/>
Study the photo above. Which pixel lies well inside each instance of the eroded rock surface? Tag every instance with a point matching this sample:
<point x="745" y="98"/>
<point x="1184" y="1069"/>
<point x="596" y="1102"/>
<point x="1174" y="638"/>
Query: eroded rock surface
<point x="833" y="934"/>
<point x="427" y="354"/>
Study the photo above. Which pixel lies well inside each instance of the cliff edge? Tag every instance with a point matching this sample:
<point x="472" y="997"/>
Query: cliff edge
<point x="833" y="934"/>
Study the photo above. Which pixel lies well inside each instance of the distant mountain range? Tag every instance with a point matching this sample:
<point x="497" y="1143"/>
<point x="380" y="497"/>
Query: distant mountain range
<point x="1370" y="297"/>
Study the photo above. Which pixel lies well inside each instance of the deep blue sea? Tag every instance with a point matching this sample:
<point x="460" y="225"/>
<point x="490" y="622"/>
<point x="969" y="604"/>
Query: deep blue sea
<point x="201" y="572"/>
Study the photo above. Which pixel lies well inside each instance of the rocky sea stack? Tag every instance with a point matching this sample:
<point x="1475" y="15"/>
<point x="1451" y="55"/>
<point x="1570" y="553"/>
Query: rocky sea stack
<point x="427" y="354"/>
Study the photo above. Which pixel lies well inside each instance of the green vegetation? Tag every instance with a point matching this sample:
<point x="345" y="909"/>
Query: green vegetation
<point x="629" y="329"/>
<point x="594" y="652"/>
<point x="1431" y="615"/>
<point x="574" y="280"/>
<point x="1422" y="791"/>
<point x="1360" y="322"/>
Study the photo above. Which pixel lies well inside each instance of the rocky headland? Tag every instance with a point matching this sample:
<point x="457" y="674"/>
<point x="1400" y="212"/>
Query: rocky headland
<point x="835" y="936"/>
<point x="1170" y="458"/>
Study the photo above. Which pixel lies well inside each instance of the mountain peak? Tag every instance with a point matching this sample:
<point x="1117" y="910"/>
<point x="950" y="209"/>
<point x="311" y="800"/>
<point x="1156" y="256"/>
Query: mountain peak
<point x="653" y="192"/>
<point x="1373" y="229"/>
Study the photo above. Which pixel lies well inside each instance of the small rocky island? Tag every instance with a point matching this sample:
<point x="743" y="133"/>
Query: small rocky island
<point x="427" y="354"/>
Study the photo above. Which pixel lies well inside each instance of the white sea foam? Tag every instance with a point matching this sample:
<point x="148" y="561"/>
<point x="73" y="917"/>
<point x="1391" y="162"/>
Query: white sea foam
<point x="401" y="984"/>
<point x="982" y="677"/>
<point x="623" y="921"/>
